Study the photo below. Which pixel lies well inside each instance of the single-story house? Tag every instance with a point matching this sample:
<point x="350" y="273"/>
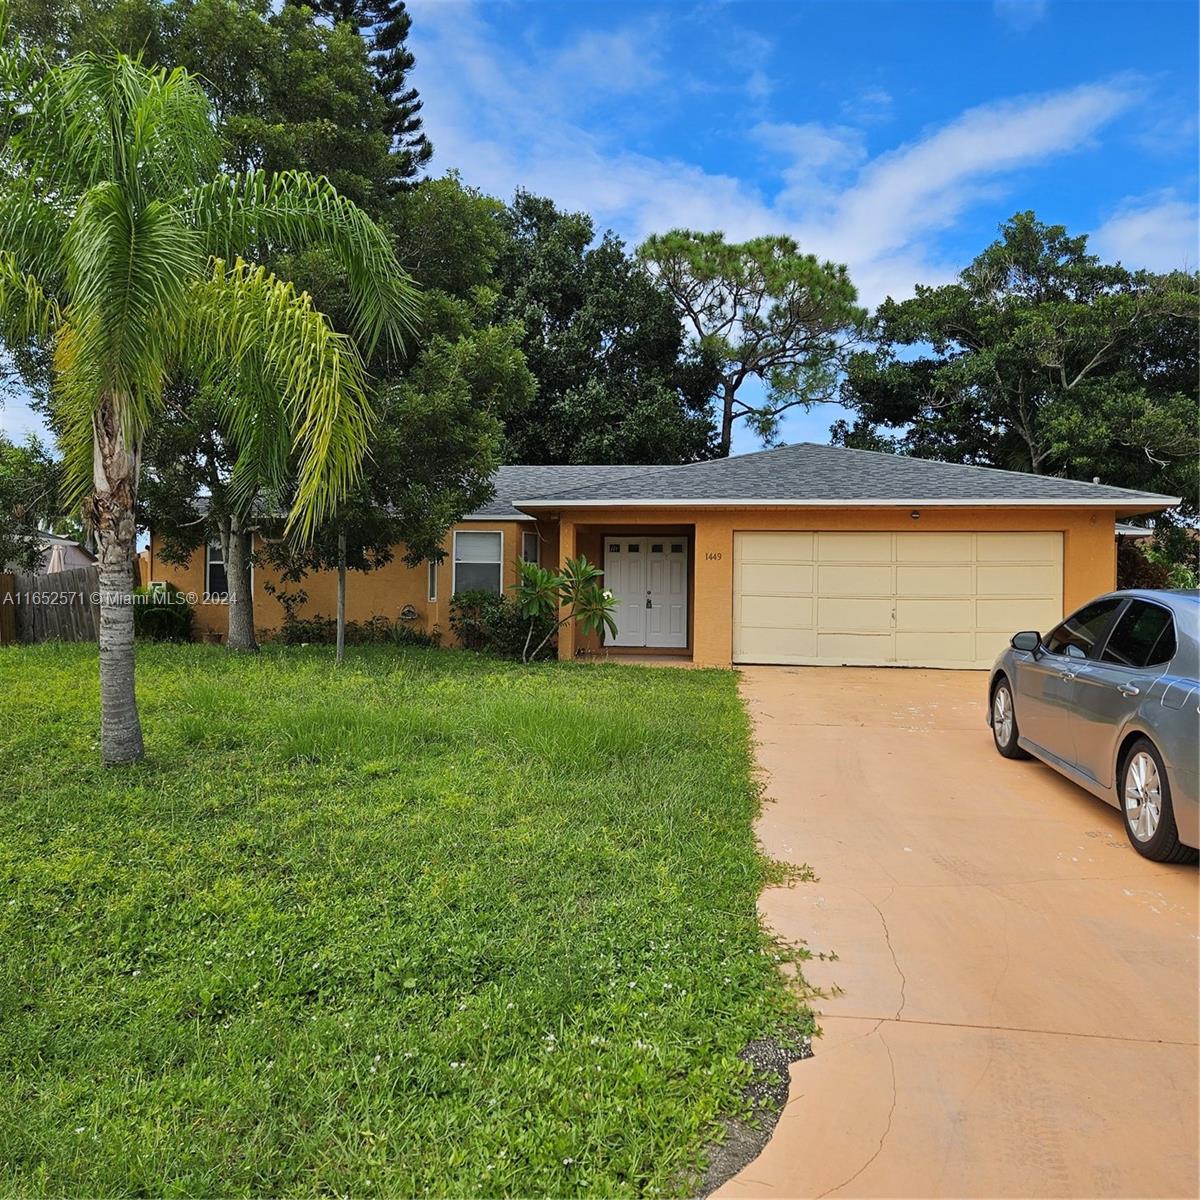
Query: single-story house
<point x="806" y="554"/>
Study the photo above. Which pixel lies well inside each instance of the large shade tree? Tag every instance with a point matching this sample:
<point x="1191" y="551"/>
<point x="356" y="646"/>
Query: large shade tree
<point x="1039" y="357"/>
<point x="616" y="381"/>
<point x="120" y="246"/>
<point x="762" y="311"/>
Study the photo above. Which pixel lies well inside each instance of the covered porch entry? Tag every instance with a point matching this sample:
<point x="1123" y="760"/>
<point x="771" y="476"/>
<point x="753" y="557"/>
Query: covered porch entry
<point x="650" y="571"/>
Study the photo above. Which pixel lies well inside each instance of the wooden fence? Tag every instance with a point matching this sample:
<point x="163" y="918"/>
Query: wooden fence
<point x="43" y="608"/>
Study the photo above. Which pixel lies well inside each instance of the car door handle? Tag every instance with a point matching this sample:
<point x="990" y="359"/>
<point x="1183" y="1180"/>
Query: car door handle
<point x="1127" y="689"/>
<point x="1067" y="675"/>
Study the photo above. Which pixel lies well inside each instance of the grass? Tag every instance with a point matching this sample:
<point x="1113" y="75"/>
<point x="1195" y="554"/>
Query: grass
<point x="429" y="924"/>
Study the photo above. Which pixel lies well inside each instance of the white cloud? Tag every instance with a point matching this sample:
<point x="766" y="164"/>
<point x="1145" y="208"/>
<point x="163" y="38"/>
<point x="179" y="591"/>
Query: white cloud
<point x="870" y="106"/>
<point x="907" y="193"/>
<point x="1020" y="15"/>
<point x="1159" y="233"/>
<point x="496" y="119"/>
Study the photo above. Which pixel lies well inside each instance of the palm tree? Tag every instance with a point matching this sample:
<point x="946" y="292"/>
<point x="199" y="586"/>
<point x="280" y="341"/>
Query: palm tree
<point x="120" y="244"/>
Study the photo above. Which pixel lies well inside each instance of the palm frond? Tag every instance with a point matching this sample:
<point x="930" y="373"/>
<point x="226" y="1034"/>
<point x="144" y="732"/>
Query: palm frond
<point x="32" y="231"/>
<point x="108" y="118"/>
<point x="25" y="309"/>
<point x="274" y="355"/>
<point x="260" y="214"/>
<point x="129" y="272"/>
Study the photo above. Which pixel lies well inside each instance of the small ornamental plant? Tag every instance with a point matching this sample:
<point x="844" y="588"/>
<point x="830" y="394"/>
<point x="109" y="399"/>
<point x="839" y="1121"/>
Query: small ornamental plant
<point x="554" y="598"/>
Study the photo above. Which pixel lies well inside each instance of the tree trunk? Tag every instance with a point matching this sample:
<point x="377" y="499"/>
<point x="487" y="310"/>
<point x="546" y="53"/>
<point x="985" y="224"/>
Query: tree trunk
<point x="236" y="547"/>
<point x="726" y="442"/>
<point x="341" y="596"/>
<point x="111" y="512"/>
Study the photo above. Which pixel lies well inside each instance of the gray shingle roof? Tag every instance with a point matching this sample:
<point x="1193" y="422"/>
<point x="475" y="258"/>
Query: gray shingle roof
<point x="520" y="482"/>
<point x="811" y="474"/>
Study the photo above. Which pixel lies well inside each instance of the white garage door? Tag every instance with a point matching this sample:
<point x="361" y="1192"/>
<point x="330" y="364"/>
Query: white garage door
<point x="908" y="599"/>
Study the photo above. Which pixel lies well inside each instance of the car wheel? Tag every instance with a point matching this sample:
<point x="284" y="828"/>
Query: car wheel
<point x="1145" y="798"/>
<point x="1004" y="721"/>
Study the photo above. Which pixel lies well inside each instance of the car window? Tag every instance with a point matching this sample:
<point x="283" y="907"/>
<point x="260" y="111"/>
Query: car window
<point x="1080" y="632"/>
<point x="1143" y="637"/>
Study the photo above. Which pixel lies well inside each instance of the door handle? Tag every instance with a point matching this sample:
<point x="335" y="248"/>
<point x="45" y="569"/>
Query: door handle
<point x="648" y="604"/>
<point x="1127" y="689"/>
<point x="1067" y="675"/>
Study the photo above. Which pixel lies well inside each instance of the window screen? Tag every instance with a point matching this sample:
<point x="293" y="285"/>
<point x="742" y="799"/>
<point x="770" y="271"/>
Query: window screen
<point x="1143" y="637"/>
<point x="1076" y="636"/>
<point x="529" y="547"/>
<point x="216" y="582"/>
<point x="477" y="559"/>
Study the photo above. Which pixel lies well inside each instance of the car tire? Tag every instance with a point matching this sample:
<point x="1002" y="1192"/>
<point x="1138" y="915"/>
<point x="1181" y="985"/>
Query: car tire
<point x="1144" y="790"/>
<point x="1003" y="720"/>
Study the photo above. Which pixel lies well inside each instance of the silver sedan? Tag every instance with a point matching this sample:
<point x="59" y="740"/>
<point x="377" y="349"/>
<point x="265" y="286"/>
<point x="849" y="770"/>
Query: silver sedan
<point x="1110" y="698"/>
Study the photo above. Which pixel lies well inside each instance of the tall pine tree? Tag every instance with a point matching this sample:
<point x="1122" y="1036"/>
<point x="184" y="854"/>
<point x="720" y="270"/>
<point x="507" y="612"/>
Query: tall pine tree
<point x="384" y="25"/>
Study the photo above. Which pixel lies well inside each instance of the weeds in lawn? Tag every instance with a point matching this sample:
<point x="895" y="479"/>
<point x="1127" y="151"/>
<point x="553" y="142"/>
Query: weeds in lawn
<point x="429" y="924"/>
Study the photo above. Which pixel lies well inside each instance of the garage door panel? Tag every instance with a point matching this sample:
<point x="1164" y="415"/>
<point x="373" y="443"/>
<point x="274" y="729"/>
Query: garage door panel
<point x="776" y="578"/>
<point x="935" y="580"/>
<point x="854" y="579"/>
<point x="1017" y="579"/>
<point x="775" y="645"/>
<point x="854" y="613"/>
<point x="774" y="547"/>
<point x="912" y="598"/>
<point x="935" y="615"/>
<point x="935" y="647"/>
<point x="780" y="611"/>
<point x="1019" y="547"/>
<point x="1014" y="614"/>
<point x="854" y="547"/>
<point x="934" y="547"/>
<point x="855" y="647"/>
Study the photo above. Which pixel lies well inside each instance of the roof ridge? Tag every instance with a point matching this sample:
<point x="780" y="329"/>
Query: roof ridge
<point x="968" y="466"/>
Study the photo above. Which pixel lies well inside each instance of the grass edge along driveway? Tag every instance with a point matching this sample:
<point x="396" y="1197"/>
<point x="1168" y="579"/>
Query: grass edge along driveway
<point x="430" y="924"/>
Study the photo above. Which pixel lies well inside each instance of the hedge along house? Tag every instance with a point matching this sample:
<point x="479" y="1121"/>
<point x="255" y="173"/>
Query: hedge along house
<point x="803" y="555"/>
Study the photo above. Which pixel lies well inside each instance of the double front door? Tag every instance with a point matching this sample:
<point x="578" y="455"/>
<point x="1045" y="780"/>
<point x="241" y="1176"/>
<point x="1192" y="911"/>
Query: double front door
<point x="648" y="577"/>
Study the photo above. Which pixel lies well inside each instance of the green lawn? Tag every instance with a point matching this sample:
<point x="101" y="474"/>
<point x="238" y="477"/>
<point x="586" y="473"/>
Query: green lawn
<point x="429" y="924"/>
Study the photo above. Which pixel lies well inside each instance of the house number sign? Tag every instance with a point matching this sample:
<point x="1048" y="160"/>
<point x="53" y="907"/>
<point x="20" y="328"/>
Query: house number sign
<point x="713" y="555"/>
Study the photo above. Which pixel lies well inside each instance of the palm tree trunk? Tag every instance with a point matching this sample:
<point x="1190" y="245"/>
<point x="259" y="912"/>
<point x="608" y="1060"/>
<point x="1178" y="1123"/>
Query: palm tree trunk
<point x="111" y="510"/>
<point x="240" y="634"/>
<point x="341" y="596"/>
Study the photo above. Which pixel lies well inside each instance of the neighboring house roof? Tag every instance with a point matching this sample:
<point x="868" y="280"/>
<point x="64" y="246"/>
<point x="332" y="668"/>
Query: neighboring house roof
<point x="809" y="474"/>
<point x="1134" y="531"/>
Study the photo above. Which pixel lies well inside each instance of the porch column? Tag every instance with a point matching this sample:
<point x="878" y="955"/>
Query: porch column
<point x="566" y="549"/>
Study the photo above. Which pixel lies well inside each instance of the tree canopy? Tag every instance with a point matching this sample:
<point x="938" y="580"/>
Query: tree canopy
<point x="1042" y="358"/>
<point x="759" y="310"/>
<point x="616" y="382"/>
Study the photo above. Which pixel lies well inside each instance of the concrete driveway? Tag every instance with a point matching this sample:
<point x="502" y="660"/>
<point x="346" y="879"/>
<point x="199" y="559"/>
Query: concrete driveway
<point x="1012" y="1010"/>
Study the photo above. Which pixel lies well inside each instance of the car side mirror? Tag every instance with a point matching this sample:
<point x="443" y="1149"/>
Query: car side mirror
<point x="1029" y="640"/>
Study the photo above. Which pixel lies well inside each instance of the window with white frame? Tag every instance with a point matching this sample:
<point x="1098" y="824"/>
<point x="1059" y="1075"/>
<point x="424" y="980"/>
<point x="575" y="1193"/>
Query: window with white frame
<point x="478" y="556"/>
<point x="433" y="580"/>
<point x="529" y="545"/>
<point x="216" y="582"/>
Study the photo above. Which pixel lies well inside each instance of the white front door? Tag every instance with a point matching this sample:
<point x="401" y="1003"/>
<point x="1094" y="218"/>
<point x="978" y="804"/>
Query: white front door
<point x="648" y="577"/>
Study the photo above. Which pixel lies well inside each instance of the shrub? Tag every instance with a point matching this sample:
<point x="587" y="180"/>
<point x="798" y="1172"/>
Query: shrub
<point x="376" y="631"/>
<point x="162" y="614"/>
<point x="494" y="624"/>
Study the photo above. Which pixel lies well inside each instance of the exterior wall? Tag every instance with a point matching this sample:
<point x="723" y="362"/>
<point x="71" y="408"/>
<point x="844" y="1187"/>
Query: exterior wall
<point x="376" y="593"/>
<point x="1089" y="562"/>
<point x="1089" y="553"/>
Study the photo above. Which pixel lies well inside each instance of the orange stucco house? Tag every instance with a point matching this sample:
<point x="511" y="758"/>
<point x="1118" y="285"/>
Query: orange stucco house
<point x="807" y="554"/>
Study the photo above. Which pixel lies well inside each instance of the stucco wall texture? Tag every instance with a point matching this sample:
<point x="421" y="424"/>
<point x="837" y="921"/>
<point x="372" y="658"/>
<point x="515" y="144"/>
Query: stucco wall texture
<point x="1089" y="562"/>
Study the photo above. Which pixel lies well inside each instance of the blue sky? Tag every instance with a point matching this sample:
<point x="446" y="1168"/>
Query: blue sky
<point x="893" y="137"/>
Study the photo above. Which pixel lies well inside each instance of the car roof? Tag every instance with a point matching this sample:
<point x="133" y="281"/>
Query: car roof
<point x="1179" y="599"/>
